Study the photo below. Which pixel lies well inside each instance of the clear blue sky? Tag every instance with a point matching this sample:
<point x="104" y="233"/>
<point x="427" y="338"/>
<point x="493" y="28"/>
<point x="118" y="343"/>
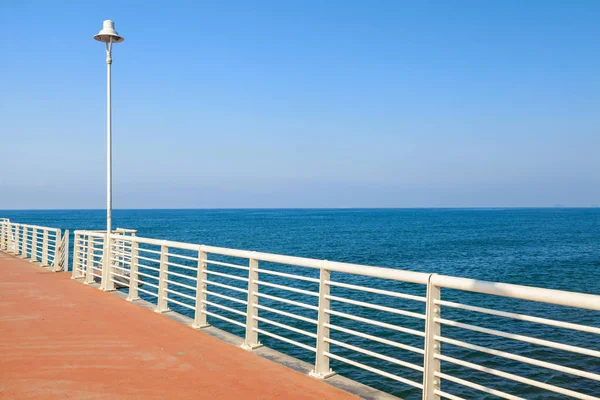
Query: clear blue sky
<point x="302" y="104"/>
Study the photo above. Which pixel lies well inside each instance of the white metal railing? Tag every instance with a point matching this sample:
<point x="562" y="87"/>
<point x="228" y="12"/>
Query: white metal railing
<point x="88" y="256"/>
<point x="350" y="313"/>
<point x="40" y="244"/>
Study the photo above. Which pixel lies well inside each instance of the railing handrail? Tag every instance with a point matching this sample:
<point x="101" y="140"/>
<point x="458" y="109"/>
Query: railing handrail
<point x="357" y="269"/>
<point x="46" y="228"/>
<point x="521" y="292"/>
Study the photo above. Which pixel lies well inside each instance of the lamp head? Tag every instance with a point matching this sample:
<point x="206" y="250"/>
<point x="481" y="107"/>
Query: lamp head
<point x="108" y="32"/>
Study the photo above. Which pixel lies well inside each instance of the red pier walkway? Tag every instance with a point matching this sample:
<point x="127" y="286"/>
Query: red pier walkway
<point x="61" y="339"/>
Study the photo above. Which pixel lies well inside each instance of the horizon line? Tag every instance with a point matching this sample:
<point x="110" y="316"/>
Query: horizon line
<point x="309" y="208"/>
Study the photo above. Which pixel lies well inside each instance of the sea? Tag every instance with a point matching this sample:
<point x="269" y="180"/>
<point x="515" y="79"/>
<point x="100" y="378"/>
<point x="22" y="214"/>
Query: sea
<point x="557" y="248"/>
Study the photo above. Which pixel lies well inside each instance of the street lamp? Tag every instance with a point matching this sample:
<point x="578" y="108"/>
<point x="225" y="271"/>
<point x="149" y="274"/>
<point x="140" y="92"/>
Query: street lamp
<point x="108" y="36"/>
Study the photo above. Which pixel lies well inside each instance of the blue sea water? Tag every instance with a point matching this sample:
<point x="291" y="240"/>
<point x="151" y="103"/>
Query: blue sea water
<point x="552" y="248"/>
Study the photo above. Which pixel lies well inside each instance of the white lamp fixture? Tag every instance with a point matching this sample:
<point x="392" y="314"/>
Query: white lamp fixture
<point x="108" y="35"/>
<point x="108" y="32"/>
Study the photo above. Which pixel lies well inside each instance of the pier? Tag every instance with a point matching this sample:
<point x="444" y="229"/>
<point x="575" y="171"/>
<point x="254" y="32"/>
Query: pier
<point x="64" y="340"/>
<point x="138" y="317"/>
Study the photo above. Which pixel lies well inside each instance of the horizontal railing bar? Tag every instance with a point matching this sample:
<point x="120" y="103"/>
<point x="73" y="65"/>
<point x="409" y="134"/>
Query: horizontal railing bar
<point x="120" y="261"/>
<point x="523" y="359"/>
<point x="237" y="289"/>
<point x="292" y="302"/>
<point x="447" y="395"/>
<point x="377" y="272"/>
<point x="222" y="296"/>
<point x="552" y="296"/>
<point x="476" y="386"/>
<point x="119" y="282"/>
<point x="182" y="256"/>
<point x="147" y="267"/>
<point x="376" y="355"/>
<point x="521" y="317"/>
<point x="521" y="338"/>
<point x="237" y="278"/>
<point x="376" y="339"/>
<point x="181" y="266"/>
<point x="157" y="242"/>
<point x="148" y="259"/>
<point x="377" y="307"/>
<point x="231" y="321"/>
<point x="193" y="278"/>
<point x="96" y="275"/>
<point x="222" y="307"/>
<point x="187" y="296"/>
<point x="147" y="283"/>
<point x="289" y="289"/>
<point x="375" y="370"/>
<point x="45" y="228"/>
<point x="225" y="264"/>
<point x="376" y="323"/>
<point x="515" y="378"/>
<point x="284" y="326"/>
<point x="180" y="284"/>
<point x="284" y="339"/>
<point x="144" y="290"/>
<point x="147" y="275"/>
<point x="287" y="314"/>
<point x="149" y="250"/>
<point x="179" y="302"/>
<point x="120" y="268"/>
<point x="291" y="276"/>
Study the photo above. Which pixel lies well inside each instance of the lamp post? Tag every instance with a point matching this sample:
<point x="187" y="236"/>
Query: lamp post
<point x="108" y="36"/>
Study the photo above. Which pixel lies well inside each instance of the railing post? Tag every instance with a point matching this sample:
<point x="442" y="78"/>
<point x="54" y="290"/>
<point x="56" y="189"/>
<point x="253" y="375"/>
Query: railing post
<point x="162" y="304"/>
<point x="14" y="241"/>
<point x="89" y="270"/>
<point x="200" y="316"/>
<point x="431" y="382"/>
<point x="251" y="339"/>
<point x="322" y="370"/>
<point x="45" y="248"/>
<point x="61" y="252"/>
<point x="8" y="237"/>
<point x="77" y="264"/>
<point x="3" y="235"/>
<point x="133" y="273"/>
<point x="34" y="232"/>
<point x="107" y="284"/>
<point x="11" y="247"/>
<point x="24" y="242"/>
<point x="57" y="239"/>
<point x="66" y="239"/>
